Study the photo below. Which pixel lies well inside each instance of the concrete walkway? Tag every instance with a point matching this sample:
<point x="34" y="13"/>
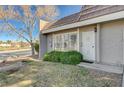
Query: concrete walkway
<point x="106" y="68"/>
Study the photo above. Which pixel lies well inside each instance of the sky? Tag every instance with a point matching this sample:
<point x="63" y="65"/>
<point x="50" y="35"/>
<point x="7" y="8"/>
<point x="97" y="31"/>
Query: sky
<point x="64" y="10"/>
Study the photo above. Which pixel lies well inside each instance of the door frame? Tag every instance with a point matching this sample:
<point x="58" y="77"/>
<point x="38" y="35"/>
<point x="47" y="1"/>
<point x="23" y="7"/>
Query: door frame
<point x="94" y="45"/>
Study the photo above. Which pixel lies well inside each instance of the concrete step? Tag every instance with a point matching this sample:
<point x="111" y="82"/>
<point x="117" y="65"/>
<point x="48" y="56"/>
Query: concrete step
<point x="106" y="68"/>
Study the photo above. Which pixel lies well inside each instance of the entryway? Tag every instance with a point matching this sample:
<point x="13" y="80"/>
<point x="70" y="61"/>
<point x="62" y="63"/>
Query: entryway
<point x="88" y="45"/>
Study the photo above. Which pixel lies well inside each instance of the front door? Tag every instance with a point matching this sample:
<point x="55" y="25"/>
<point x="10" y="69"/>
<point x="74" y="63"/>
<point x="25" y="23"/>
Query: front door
<point x="88" y="45"/>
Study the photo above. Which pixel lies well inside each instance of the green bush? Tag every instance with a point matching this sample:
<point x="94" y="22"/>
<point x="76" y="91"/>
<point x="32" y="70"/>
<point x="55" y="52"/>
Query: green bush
<point x="36" y="46"/>
<point x="70" y="57"/>
<point x="53" y="56"/>
<point x="47" y="56"/>
<point x="74" y="59"/>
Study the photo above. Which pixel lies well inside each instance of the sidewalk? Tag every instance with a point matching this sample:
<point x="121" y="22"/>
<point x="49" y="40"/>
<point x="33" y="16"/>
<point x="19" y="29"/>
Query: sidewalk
<point x="106" y="68"/>
<point x="10" y="51"/>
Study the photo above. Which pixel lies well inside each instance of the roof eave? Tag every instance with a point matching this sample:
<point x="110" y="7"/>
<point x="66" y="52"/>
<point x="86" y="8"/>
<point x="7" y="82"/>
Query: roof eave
<point x="108" y="17"/>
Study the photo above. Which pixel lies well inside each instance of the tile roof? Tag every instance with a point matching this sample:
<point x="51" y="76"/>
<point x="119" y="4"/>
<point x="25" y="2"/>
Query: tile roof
<point x="87" y="12"/>
<point x="99" y="10"/>
<point x="63" y="21"/>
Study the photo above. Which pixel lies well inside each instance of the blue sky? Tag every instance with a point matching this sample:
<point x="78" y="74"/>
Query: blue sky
<point x="64" y="10"/>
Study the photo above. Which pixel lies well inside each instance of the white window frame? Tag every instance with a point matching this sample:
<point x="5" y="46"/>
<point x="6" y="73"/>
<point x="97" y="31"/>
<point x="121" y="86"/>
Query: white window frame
<point x="49" y="43"/>
<point x="70" y="46"/>
<point x="63" y="39"/>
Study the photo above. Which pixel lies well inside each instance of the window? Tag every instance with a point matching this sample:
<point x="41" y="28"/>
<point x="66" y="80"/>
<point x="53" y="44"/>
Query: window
<point x="65" y="41"/>
<point x="73" y="41"/>
<point x="58" y="42"/>
<point x="49" y="43"/>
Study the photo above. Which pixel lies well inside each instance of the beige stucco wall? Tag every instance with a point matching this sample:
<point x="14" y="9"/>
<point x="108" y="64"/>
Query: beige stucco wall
<point x="87" y="28"/>
<point x="43" y="23"/>
<point x="111" y="46"/>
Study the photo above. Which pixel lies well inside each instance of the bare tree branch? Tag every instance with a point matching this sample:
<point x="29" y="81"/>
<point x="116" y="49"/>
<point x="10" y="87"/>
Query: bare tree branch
<point x="14" y="29"/>
<point x="28" y="17"/>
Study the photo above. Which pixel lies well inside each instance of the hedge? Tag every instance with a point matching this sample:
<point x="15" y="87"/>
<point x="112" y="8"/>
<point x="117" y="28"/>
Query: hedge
<point x="69" y="57"/>
<point x="36" y="46"/>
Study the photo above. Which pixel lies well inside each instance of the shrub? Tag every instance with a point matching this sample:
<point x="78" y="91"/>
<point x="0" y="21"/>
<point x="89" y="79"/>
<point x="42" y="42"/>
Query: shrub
<point x="76" y="53"/>
<point x="36" y="46"/>
<point x="70" y="57"/>
<point x="53" y="56"/>
<point x="73" y="59"/>
<point x="64" y="57"/>
<point x="47" y="57"/>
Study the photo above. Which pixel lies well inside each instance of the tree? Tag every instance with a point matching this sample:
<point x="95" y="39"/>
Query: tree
<point x="8" y="41"/>
<point x="1" y="42"/>
<point x="28" y="17"/>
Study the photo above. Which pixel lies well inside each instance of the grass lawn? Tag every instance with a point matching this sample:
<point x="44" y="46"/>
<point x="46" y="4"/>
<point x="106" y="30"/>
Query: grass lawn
<point x="47" y="74"/>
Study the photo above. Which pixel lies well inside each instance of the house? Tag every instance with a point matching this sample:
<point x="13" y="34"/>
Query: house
<point x="97" y="31"/>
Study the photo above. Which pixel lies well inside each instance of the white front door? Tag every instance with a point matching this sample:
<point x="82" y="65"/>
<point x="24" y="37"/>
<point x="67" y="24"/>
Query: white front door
<point x="88" y="45"/>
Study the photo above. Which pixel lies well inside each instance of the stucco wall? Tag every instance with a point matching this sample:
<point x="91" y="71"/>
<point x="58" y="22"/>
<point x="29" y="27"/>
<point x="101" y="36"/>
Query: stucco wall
<point x="43" y="23"/>
<point x="42" y="45"/>
<point x="87" y="28"/>
<point x="111" y="47"/>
